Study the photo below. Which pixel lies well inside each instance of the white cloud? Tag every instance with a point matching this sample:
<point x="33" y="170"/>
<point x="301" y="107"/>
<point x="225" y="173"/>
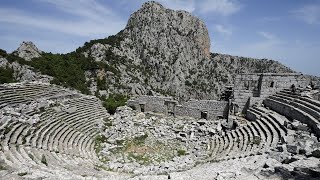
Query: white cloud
<point x="309" y="14"/>
<point x="221" y="7"/>
<point x="267" y="35"/>
<point x="223" y="30"/>
<point x="86" y="18"/>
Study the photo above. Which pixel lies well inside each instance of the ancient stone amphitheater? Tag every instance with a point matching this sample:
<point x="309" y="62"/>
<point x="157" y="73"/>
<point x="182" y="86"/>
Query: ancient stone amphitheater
<point x="49" y="132"/>
<point x="57" y="133"/>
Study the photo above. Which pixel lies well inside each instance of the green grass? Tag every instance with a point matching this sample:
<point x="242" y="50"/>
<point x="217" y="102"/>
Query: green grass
<point x="141" y="159"/>
<point x="139" y="140"/>
<point x="98" y="143"/>
<point x="181" y="152"/>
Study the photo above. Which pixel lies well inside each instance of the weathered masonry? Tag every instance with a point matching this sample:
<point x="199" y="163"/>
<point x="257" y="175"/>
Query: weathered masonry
<point x="206" y="109"/>
<point x="252" y="88"/>
<point x="248" y="89"/>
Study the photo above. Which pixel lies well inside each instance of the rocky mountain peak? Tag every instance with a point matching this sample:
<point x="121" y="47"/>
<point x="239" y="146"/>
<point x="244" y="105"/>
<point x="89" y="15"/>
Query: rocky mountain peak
<point x="152" y="5"/>
<point x="167" y="52"/>
<point x="27" y="51"/>
<point x="165" y="31"/>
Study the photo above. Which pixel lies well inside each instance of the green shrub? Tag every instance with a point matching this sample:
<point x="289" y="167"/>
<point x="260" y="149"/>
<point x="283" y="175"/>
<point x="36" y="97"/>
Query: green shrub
<point x="2" y="167"/>
<point x="187" y="83"/>
<point x="113" y="40"/>
<point x="139" y="140"/>
<point x="98" y="141"/>
<point x="101" y="84"/>
<point x="6" y="75"/>
<point x="114" y="101"/>
<point x="133" y="107"/>
<point x="256" y="140"/>
<point x="181" y="152"/>
<point x="3" y="53"/>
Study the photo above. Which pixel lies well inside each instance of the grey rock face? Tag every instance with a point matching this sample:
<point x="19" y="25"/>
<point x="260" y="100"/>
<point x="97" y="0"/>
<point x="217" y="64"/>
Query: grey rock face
<point x="24" y="72"/>
<point x="27" y="51"/>
<point x="166" y="51"/>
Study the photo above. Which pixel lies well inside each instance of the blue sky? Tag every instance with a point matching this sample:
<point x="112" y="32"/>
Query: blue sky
<point x="285" y="30"/>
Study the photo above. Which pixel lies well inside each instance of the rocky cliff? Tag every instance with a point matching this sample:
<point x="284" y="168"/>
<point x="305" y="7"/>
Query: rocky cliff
<point x="166" y="51"/>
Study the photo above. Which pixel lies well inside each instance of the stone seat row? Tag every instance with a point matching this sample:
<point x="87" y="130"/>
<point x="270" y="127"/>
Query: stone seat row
<point x="84" y="144"/>
<point x="264" y="131"/>
<point x="296" y="107"/>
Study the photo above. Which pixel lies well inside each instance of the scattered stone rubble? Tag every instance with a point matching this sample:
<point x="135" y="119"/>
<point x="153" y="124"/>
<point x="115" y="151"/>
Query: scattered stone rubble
<point x="183" y="142"/>
<point x="299" y="154"/>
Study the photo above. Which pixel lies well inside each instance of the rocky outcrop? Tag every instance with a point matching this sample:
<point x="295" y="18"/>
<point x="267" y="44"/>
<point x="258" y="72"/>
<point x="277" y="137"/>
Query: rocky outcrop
<point x="167" y="52"/>
<point x="27" y="51"/>
<point x="24" y="72"/>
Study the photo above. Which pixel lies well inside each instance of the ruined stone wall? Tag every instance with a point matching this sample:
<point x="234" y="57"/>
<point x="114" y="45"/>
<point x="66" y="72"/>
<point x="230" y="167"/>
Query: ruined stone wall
<point x="151" y="103"/>
<point x="214" y="108"/>
<point x="192" y="108"/>
<point x="187" y="112"/>
<point x="273" y="83"/>
<point x="253" y="88"/>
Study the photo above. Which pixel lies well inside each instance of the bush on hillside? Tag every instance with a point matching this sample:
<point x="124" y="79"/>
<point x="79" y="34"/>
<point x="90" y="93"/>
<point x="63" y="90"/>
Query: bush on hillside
<point x="114" y="101"/>
<point x="3" y="53"/>
<point x="6" y="75"/>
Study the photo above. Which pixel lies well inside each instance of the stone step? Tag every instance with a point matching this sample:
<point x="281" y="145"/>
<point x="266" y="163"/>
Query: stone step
<point x="245" y="142"/>
<point x="66" y="142"/>
<point x="227" y="151"/>
<point x="271" y="128"/>
<point x="267" y="132"/>
<point x="294" y="113"/>
<point x="17" y="133"/>
<point x="261" y="134"/>
<point x="249" y="135"/>
<point x="298" y="105"/>
<point x="43" y="138"/>
<point x="216" y="144"/>
<point x="8" y="135"/>
<point x="312" y="101"/>
<point x="279" y="120"/>
<point x="55" y="137"/>
<point x="255" y="148"/>
<point x="299" y="100"/>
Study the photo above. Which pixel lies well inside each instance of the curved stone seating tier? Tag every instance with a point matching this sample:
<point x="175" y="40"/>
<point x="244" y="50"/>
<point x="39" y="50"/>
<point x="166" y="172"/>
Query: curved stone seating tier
<point x="283" y="107"/>
<point x="263" y="115"/>
<point x="66" y="139"/>
<point x="243" y="141"/>
<point x="302" y="100"/>
<point x="261" y="134"/>
<point x="250" y="147"/>
<point x="305" y="106"/>
<point x="312" y="103"/>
